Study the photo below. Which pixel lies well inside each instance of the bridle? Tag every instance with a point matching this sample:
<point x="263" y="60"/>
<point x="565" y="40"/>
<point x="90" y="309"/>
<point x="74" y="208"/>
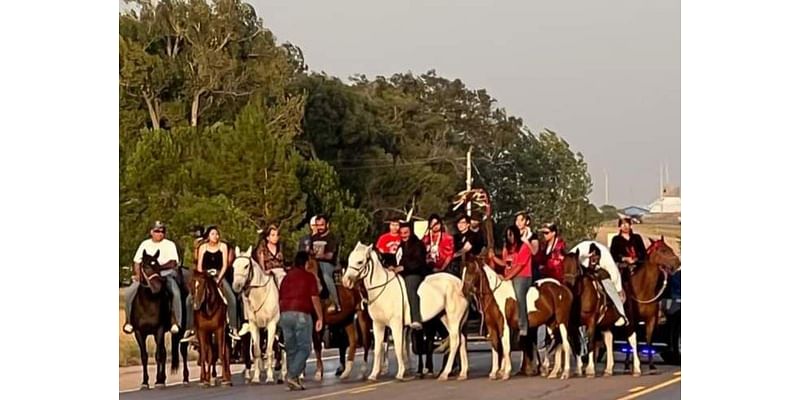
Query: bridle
<point x="663" y="268"/>
<point x="369" y="269"/>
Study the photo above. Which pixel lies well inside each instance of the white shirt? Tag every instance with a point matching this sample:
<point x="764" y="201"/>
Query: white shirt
<point x="606" y="261"/>
<point x="168" y="251"/>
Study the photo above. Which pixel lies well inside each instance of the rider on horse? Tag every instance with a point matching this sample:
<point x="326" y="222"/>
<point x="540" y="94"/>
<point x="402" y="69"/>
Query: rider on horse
<point x="305" y="242"/>
<point x="325" y="248"/>
<point x="517" y="261"/>
<point x="269" y="255"/>
<point x="389" y="242"/>
<point x="168" y="258"/>
<point x="465" y="241"/>
<point x="627" y="248"/>
<point x="413" y="268"/>
<point x="213" y="254"/>
<point x="551" y="254"/>
<point x="612" y="285"/>
<point x="438" y="244"/>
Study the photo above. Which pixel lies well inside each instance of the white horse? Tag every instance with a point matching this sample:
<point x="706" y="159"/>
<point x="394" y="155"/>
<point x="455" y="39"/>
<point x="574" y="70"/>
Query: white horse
<point x="389" y="306"/>
<point x="261" y="309"/>
<point x="502" y="290"/>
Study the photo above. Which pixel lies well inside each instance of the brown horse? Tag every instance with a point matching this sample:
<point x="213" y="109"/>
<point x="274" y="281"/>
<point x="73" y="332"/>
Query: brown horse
<point x="644" y="288"/>
<point x="350" y="304"/>
<point x="210" y="319"/>
<point x="591" y="309"/>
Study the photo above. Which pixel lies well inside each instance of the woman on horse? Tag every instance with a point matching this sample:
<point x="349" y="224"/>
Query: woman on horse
<point x="213" y="254"/>
<point x="627" y="248"/>
<point x="517" y="261"/>
<point x="269" y="255"/>
<point x="551" y="254"/>
<point x="438" y="243"/>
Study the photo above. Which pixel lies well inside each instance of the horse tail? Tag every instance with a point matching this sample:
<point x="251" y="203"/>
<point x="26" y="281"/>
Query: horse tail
<point x="176" y="343"/>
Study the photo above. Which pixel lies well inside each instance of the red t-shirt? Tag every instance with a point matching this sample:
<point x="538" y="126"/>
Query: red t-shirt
<point x="522" y="257"/>
<point x="553" y="263"/>
<point x="446" y="249"/>
<point x="296" y="290"/>
<point x="388" y="243"/>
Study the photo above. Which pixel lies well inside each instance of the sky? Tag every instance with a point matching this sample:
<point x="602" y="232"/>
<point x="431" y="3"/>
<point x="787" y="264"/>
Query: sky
<point x="603" y="75"/>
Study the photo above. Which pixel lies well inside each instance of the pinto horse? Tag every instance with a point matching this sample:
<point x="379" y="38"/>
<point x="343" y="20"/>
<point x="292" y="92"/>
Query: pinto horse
<point x="549" y="303"/>
<point x="150" y="315"/>
<point x="210" y="319"/>
<point x="644" y="290"/>
<point x="591" y="309"/>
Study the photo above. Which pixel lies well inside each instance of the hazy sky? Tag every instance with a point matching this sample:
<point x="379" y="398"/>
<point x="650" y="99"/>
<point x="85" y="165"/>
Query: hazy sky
<point x="605" y="75"/>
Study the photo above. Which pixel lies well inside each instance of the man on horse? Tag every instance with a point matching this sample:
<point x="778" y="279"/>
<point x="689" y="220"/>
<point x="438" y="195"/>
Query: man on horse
<point x="168" y="258"/>
<point x="479" y="237"/>
<point x="326" y="248"/>
<point x="412" y="268"/>
<point x="627" y="248"/>
<point x="305" y="242"/>
<point x="389" y="242"/>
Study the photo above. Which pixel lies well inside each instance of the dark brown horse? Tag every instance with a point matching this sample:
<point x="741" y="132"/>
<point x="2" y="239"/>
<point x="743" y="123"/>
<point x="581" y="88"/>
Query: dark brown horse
<point x="644" y="286"/>
<point x="349" y="301"/>
<point x="210" y="319"/>
<point x="150" y="315"/>
<point x="591" y="309"/>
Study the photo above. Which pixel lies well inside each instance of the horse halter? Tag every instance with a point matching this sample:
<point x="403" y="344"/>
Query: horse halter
<point x="250" y="274"/>
<point x="369" y="268"/>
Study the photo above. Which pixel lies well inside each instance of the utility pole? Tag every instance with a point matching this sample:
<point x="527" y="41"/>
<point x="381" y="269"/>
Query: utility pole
<point x="469" y="178"/>
<point x="605" y="173"/>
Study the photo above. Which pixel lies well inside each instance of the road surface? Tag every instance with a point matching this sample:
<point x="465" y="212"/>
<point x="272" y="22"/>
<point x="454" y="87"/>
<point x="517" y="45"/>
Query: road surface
<point x="661" y="384"/>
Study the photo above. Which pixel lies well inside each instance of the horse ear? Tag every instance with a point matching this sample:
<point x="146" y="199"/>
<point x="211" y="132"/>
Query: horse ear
<point x="157" y="253"/>
<point x="651" y="240"/>
<point x="662" y="237"/>
<point x="249" y="250"/>
<point x="238" y="252"/>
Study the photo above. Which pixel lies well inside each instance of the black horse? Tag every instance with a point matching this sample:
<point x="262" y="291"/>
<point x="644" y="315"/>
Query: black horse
<point x="151" y="315"/>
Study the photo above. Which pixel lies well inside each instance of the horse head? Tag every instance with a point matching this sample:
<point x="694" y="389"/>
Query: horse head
<point x="357" y="265"/>
<point x="662" y="255"/>
<point x="572" y="267"/>
<point x="150" y="270"/>
<point x="471" y="278"/>
<point x="242" y="268"/>
<point x="203" y="286"/>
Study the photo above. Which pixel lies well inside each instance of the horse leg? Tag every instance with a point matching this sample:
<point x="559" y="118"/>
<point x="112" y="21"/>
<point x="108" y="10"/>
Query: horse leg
<point x="650" y="327"/>
<point x="205" y="358"/>
<point x="637" y="370"/>
<point x="567" y="348"/>
<point x="505" y="366"/>
<point x="378" y="330"/>
<point x="272" y="327"/>
<point x="224" y="356"/>
<point x="453" y="341"/>
<point x="493" y="371"/>
<point x="258" y="360"/>
<point x="161" y="360"/>
<point x="608" y="338"/>
<point x="351" y="350"/>
<point x="366" y="340"/>
<point x="141" y="340"/>
<point x="400" y="350"/>
<point x="557" y="363"/>
<point x="185" y="356"/>
<point x="317" y="342"/>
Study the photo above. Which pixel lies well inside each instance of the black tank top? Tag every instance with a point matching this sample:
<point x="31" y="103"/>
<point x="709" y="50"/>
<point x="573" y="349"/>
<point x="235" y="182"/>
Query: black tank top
<point x="212" y="260"/>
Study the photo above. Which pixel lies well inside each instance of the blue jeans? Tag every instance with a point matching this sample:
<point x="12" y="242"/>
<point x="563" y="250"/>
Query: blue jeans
<point x="327" y="276"/>
<point x="296" y="327"/>
<point x="521" y="286"/>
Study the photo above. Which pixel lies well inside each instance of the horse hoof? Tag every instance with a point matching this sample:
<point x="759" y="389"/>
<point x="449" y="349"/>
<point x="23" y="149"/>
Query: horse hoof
<point x="372" y="378"/>
<point x="461" y="377"/>
<point x="506" y="377"/>
<point x="280" y="381"/>
<point x="318" y="376"/>
<point x="227" y="383"/>
<point x="608" y="373"/>
<point x="206" y="385"/>
<point x="637" y="374"/>
<point x="186" y="384"/>
<point x="144" y="386"/>
<point x="161" y="386"/>
<point x="442" y="378"/>
<point x="269" y="382"/>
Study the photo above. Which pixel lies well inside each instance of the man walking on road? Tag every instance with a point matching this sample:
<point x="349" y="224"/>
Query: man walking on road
<point x="298" y="298"/>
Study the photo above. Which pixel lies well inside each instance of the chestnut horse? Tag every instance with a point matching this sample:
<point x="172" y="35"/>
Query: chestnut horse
<point x="210" y="314"/>
<point x="591" y="309"/>
<point x="644" y="288"/>
<point x="350" y="302"/>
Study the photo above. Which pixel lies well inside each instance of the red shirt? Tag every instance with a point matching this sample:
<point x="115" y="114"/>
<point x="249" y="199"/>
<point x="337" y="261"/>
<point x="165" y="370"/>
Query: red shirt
<point x="296" y="290"/>
<point x="445" y="248"/>
<point x="553" y="262"/>
<point x="521" y="257"/>
<point x="388" y="243"/>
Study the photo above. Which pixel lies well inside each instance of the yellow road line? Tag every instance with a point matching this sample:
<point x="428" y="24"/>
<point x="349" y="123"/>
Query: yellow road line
<point x="369" y="389"/>
<point x="651" y="389"/>
<point x="351" y="391"/>
<point x="678" y="373"/>
<point x="636" y="389"/>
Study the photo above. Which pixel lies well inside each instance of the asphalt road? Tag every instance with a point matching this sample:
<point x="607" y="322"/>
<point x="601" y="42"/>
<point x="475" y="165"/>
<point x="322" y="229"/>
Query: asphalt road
<point x="661" y="384"/>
